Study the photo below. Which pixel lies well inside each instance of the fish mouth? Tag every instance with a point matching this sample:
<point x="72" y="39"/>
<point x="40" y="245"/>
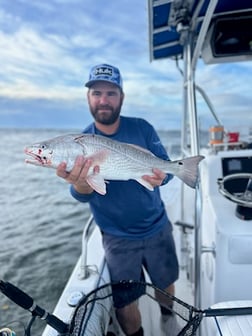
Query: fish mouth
<point x="37" y="159"/>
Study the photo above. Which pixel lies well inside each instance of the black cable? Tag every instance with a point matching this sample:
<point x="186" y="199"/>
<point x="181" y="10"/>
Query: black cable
<point x="28" y="328"/>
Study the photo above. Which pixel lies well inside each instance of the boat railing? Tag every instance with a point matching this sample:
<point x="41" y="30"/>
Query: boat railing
<point x="87" y="232"/>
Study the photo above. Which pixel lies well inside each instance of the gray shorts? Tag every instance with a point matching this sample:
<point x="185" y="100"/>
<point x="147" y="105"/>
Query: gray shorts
<point x="126" y="259"/>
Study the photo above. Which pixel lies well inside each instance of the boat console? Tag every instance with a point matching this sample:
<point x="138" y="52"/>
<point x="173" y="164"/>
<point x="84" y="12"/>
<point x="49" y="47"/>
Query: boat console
<point x="226" y="233"/>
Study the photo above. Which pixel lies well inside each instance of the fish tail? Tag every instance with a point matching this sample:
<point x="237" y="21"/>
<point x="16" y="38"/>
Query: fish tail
<point x="187" y="170"/>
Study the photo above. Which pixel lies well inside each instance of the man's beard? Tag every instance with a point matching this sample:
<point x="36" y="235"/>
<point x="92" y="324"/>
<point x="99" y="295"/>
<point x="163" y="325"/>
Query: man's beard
<point x="107" y="118"/>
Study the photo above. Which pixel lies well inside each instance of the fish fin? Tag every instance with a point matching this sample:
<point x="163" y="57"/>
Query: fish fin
<point x="141" y="149"/>
<point x="145" y="184"/>
<point x="99" y="157"/>
<point x="97" y="182"/>
<point x="188" y="170"/>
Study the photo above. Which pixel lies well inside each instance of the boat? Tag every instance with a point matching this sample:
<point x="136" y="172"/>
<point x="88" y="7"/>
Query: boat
<point x="212" y="223"/>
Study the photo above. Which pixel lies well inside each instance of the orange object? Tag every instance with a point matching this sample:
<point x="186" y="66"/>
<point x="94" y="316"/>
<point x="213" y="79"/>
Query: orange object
<point x="216" y="134"/>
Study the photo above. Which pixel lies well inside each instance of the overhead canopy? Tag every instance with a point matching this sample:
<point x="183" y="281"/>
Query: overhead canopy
<point x="229" y="32"/>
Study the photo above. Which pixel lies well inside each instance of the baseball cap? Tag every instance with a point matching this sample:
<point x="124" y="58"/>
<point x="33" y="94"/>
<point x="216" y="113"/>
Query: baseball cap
<point x="107" y="73"/>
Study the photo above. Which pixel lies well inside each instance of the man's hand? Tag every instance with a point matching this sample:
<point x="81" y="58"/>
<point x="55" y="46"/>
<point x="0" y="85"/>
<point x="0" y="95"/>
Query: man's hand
<point x="78" y="175"/>
<point x="156" y="179"/>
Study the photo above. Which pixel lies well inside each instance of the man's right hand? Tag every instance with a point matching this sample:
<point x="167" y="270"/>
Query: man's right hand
<point x="78" y="175"/>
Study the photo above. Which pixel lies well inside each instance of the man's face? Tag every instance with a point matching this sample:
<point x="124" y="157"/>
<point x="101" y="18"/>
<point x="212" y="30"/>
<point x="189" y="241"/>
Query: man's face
<point x="105" y="102"/>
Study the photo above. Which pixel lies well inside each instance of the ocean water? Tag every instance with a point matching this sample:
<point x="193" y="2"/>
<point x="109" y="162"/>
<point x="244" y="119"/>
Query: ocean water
<point x="41" y="226"/>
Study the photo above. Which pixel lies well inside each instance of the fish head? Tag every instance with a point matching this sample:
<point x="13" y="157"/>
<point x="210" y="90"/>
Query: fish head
<point x="41" y="153"/>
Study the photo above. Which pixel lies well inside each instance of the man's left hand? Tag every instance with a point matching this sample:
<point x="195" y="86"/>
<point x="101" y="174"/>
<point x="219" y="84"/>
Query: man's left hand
<point x="156" y="179"/>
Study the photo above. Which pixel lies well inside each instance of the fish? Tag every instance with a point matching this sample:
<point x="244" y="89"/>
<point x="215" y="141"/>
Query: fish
<point x="116" y="160"/>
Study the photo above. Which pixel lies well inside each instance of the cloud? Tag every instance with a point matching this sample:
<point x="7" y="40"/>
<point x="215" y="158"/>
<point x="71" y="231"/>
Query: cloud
<point x="47" y="48"/>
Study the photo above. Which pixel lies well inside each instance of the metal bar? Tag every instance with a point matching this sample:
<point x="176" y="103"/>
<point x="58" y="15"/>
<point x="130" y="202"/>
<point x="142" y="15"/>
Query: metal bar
<point x="161" y="2"/>
<point x="190" y="97"/>
<point x="88" y="230"/>
<point x="194" y="142"/>
<point x="150" y="18"/>
<point x="190" y="116"/>
<point x="209" y="104"/>
<point x="235" y="311"/>
<point x="165" y="45"/>
<point x="203" y="31"/>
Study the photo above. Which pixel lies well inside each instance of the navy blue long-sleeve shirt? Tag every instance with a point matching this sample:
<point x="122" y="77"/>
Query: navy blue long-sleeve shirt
<point x="128" y="209"/>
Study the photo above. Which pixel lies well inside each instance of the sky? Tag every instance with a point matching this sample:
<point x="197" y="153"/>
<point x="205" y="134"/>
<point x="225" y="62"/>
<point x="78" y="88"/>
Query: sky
<point x="47" y="48"/>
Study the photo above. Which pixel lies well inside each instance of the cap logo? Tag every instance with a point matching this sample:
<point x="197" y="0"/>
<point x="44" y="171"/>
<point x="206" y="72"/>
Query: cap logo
<point x="103" y="71"/>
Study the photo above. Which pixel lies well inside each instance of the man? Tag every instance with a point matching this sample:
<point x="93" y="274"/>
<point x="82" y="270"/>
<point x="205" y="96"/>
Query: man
<point x="135" y="228"/>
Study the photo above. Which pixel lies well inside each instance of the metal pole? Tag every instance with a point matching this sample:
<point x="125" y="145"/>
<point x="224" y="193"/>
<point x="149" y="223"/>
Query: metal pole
<point x="191" y="114"/>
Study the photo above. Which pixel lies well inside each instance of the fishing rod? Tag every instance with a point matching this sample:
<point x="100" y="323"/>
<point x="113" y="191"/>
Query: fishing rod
<point x="25" y="301"/>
